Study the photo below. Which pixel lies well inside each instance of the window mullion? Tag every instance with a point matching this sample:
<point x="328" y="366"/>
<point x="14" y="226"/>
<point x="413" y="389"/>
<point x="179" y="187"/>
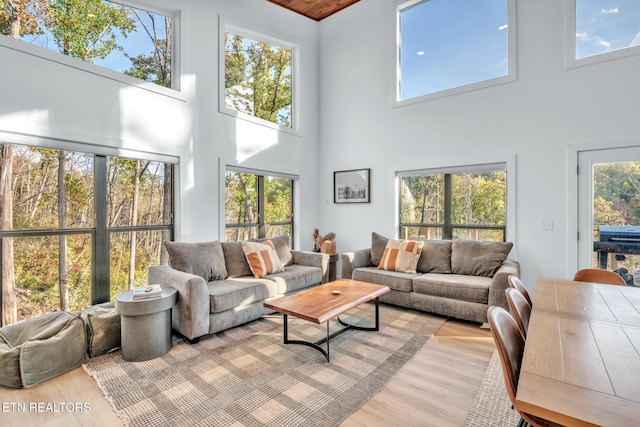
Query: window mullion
<point x="262" y="229"/>
<point x="100" y="288"/>
<point x="448" y="207"/>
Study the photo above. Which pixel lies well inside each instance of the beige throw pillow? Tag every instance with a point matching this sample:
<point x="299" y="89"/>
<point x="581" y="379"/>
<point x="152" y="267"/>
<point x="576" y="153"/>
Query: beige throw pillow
<point x="262" y="258"/>
<point x="401" y="255"/>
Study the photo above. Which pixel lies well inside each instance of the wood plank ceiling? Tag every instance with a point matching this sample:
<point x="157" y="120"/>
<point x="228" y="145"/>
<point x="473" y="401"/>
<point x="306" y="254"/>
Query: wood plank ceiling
<point x="315" y="9"/>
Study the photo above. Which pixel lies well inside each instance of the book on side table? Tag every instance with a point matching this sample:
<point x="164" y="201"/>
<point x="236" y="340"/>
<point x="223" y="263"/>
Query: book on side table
<point x="147" y="292"/>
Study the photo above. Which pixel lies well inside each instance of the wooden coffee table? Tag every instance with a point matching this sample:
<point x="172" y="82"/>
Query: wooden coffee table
<point x="325" y="302"/>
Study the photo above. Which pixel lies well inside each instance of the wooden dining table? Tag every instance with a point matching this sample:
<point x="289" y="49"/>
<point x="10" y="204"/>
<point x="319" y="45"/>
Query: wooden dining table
<point x="581" y="364"/>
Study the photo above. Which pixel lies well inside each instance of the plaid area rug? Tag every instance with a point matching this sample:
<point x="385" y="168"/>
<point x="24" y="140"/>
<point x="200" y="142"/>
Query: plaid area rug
<point x="246" y="376"/>
<point x="491" y="406"/>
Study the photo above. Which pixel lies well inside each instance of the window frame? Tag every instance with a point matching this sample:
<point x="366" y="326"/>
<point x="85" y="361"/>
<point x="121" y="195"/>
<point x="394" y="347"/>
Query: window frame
<point x="160" y="7"/>
<point x="227" y="25"/>
<point x="570" y="44"/>
<point x="397" y="74"/>
<point x="469" y="165"/>
<point x="230" y="166"/>
<point x="100" y="285"/>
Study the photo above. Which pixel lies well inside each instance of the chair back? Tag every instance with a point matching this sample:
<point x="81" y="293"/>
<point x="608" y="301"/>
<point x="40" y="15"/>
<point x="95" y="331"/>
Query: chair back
<point x="599" y="276"/>
<point x="510" y="346"/>
<point x="516" y="283"/>
<point x="520" y="309"/>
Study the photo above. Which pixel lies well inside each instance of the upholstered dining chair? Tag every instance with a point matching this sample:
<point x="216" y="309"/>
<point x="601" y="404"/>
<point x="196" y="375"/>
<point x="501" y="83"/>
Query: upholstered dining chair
<point x="510" y="345"/>
<point x="599" y="276"/>
<point x="516" y="283"/>
<point x="520" y="309"/>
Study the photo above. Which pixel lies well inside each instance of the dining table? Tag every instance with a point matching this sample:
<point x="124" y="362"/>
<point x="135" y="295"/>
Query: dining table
<point x="581" y="362"/>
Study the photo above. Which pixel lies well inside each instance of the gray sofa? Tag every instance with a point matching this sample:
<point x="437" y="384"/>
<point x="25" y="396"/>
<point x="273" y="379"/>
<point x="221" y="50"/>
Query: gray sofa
<point x="459" y="278"/>
<point x="217" y="289"/>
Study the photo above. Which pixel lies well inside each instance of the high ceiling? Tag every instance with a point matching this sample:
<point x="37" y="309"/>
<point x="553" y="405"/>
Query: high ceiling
<point x="315" y="9"/>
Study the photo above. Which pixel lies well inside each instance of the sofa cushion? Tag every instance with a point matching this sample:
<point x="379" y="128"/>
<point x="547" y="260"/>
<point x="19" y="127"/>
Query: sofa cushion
<point x="281" y="244"/>
<point x="378" y="243"/>
<point x="435" y="257"/>
<point x="231" y="293"/>
<point x="478" y="258"/>
<point x="235" y="260"/>
<point x="204" y="259"/>
<point x="395" y="280"/>
<point x="262" y="258"/>
<point x="295" y="277"/>
<point x="401" y="255"/>
<point x="453" y="286"/>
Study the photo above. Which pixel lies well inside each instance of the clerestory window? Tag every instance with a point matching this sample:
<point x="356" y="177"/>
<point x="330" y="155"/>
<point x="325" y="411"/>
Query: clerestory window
<point x="450" y="46"/>
<point x="133" y="41"/>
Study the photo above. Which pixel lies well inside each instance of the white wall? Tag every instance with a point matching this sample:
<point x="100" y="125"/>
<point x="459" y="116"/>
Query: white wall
<point x="534" y="119"/>
<point x="45" y="99"/>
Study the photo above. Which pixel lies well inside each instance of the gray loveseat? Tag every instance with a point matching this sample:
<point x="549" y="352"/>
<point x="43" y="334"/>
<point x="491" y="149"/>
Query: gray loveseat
<point x="217" y="289"/>
<point x="459" y="278"/>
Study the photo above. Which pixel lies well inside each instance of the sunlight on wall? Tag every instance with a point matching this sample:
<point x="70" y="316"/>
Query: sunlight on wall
<point x="251" y="139"/>
<point x="162" y="123"/>
<point x="28" y="122"/>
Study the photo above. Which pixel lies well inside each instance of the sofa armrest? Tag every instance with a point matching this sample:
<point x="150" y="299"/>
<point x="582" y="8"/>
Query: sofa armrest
<point x="313" y="259"/>
<point x="351" y="260"/>
<point x="190" y="314"/>
<point x="500" y="283"/>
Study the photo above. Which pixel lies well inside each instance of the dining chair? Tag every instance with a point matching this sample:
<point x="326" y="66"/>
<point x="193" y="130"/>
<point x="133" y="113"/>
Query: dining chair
<point x="599" y="276"/>
<point x="510" y="345"/>
<point x="516" y="283"/>
<point x="520" y="309"/>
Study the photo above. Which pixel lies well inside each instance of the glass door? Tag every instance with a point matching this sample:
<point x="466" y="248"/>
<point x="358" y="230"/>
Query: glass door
<point x="609" y="210"/>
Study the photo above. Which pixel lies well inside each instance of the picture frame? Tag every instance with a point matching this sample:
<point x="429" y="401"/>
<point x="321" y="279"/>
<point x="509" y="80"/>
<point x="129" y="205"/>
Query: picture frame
<point x="352" y="186"/>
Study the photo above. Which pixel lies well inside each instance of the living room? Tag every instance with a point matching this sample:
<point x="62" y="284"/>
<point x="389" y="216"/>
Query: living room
<point x="347" y="118"/>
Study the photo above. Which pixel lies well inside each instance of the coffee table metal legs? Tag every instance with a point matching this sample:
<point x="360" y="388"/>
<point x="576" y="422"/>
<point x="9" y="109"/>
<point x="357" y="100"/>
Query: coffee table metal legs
<point x="347" y="327"/>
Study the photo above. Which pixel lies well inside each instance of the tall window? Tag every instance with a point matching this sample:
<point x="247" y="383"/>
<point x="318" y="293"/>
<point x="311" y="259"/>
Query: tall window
<point x="132" y="41"/>
<point x="257" y="206"/>
<point x="449" y="44"/>
<point x="454" y="204"/>
<point x="258" y="77"/>
<point x="605" y="26"/>
<point x="69" y="221"/>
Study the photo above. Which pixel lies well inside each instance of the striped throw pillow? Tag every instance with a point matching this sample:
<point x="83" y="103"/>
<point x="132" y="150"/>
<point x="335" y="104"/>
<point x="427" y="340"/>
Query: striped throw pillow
<point x="401" y="255"/>
<point x="262" y="258"/>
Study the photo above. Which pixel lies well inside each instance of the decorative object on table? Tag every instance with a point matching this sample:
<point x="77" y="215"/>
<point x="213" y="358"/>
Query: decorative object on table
<point x="352" y="186"/>
<point x="147" y="292"/>
<point x="324" y="244"/>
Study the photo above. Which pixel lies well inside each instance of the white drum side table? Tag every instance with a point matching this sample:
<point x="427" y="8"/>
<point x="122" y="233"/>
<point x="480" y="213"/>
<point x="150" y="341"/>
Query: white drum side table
<point x="145" y="325"/>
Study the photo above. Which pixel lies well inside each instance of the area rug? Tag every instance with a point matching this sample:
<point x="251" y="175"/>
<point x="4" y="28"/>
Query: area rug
<point x="491" y="406"/>
<point x="246" y="376"/>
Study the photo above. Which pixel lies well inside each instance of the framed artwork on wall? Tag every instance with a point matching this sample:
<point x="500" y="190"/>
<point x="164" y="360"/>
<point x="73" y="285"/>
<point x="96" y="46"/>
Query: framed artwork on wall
<point x="352" y="186"/>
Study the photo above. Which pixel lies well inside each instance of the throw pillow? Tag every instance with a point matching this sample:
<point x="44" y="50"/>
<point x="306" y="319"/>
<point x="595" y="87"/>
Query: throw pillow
<point x="378" y="243"/>
<point x="262" y="258"/>
<point x="235" y="260"/>
<point x="435" y="257"/>
<point x="281" y="244"/>
<point x="401" y="255"/>
<point x="205" y="259"/>
<point x="475" y="258"/>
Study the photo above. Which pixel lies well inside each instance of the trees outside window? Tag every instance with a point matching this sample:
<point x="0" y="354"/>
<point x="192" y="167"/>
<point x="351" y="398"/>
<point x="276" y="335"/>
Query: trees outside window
<point x="70" y="221"/>
<point x="257" y="206"/>
<point x="469" y="205"/>
<point x="258" y="77"/>
<point x="129" y="40"/>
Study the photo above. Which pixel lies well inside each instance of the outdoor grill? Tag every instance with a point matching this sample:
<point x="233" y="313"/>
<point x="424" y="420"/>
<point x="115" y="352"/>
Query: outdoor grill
<point x="616" y="239"/>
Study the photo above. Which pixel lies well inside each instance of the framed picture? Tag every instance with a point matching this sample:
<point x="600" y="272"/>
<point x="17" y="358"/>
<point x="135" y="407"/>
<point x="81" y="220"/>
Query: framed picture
<point x="352" y="186"/>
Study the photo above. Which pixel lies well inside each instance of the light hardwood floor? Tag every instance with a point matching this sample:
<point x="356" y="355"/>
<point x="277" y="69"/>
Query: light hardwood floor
<point x="435" y="388"/>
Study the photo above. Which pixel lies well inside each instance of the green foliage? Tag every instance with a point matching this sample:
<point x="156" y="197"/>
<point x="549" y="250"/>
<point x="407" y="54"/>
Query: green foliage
<point x="85" y="28"/>
<point x="258" y="79"/>
<point x="156" y="66"/>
